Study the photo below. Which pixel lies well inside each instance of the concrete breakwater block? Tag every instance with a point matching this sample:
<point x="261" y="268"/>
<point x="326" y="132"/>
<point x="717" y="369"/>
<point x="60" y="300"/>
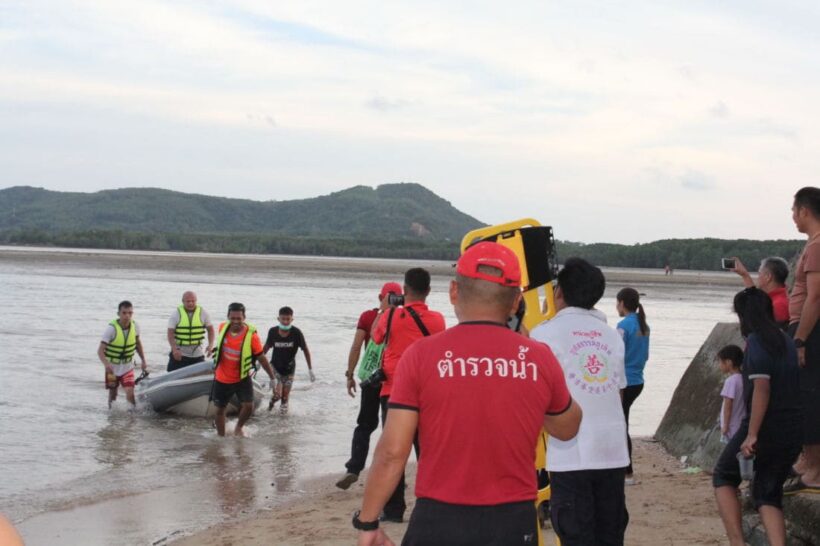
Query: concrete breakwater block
<point x="690" y="425"/>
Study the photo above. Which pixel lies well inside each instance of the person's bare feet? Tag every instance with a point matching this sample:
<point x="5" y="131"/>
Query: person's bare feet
<point x="239" y="431"/>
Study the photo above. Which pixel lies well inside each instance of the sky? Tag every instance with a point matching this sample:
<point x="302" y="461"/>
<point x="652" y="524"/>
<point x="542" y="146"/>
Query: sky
<point x="611" y="121"/>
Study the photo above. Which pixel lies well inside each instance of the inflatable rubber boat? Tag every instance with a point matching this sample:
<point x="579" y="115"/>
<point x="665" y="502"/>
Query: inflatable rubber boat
<point x="186" y="391"/>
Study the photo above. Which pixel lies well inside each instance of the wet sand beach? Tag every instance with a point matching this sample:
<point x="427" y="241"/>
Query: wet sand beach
<point x="668" y="506"/>
<point x="225" y="263"/>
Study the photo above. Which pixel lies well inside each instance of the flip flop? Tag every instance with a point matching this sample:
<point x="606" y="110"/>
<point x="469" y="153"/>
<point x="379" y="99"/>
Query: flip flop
<point x="800" y="486"/>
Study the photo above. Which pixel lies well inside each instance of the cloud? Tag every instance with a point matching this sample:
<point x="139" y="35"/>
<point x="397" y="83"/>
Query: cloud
<point x="383" y="104"/>
<point x="695" y="180"/>
<point x="263" y="118"/>
<point x="719" y="110"/>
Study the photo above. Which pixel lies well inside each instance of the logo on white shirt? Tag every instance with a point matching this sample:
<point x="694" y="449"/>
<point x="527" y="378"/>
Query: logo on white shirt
<point x="589" y="367"/>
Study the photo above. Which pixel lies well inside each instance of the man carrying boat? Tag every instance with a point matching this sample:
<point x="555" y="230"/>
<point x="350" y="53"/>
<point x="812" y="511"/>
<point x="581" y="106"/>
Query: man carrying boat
<point x="237" y="348"/>
<point x="120" y="341"/>
<point x="479" y="395"/>
<point x="186" y="330"/>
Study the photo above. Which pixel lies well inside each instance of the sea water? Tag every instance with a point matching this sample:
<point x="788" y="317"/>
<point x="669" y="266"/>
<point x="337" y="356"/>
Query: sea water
<point x="73" y="472"/>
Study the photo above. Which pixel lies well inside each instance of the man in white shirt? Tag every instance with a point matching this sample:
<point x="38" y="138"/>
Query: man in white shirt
<point x="588" y="506"/>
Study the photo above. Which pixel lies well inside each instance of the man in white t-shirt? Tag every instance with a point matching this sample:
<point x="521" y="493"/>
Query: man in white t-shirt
<point x="587" y="473"/>
<point x="120" y="341"/>
<point x="187" y="327"/>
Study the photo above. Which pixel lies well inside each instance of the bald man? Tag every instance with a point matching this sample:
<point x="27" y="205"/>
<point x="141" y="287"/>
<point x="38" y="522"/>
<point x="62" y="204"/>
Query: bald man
<point x="186" y="331"/>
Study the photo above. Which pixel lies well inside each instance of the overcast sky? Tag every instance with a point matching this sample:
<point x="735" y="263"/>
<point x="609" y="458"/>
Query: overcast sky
<point x="611" y="121"/>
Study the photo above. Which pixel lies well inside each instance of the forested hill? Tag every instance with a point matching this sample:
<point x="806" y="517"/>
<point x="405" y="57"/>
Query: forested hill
<point x="391" y="211"/>
<point x="700" y="254"/>
<point x="390" y="221"/>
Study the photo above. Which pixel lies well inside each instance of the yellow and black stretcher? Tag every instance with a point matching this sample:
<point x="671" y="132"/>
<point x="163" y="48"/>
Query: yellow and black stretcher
<point x="535" y="247"/>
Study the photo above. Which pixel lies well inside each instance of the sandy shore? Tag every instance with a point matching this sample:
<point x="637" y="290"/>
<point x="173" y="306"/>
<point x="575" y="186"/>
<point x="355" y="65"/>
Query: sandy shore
<point x="667" y="507"/>
<point x="191" y="261"/>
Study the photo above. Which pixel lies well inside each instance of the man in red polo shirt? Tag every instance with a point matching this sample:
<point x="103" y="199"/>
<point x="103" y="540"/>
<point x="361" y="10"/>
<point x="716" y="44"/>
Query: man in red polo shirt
<point x="368" y="419"/>
<point x="771" y="278"/>
<point x="398" y="327"/>
<point x="478" y="394"/>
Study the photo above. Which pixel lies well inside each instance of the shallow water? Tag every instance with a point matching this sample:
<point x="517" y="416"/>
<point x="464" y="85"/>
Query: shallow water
<point x="73" y="472"/>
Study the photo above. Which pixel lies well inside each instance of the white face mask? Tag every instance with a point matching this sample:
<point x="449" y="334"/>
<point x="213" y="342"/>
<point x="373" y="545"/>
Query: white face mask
<point x="284" y="327"/>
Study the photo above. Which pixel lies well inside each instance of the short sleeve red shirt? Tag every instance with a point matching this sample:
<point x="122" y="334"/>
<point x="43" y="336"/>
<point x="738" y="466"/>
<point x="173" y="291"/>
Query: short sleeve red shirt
<point x="228" y="370"/>
<point x="780" y="304"/>
<point x="482" y="392"/>
<point x="366" y="321"/>
<point x="403" y="332"/>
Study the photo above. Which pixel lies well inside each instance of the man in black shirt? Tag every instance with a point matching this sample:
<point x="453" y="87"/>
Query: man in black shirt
<point x="285" y="340"/>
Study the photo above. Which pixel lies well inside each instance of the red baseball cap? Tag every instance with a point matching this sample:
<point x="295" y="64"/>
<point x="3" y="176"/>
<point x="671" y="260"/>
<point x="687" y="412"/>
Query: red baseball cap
<point x="492" y="255"/>
<point x="389" y="287"/>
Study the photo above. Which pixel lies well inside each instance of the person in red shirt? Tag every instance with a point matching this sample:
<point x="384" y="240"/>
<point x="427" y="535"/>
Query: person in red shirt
<point x="479" y="395"/>
<point x="237" y="347"/>
<point x="368" y="419"/>
<point x="398" y="327"/>
<point x="771" y="278"/>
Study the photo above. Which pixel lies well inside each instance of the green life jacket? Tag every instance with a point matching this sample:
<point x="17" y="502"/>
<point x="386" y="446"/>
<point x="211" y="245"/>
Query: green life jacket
<point x="246" y="357"/>
<point x="121" y="350"/>
<point x="189" y="330"/>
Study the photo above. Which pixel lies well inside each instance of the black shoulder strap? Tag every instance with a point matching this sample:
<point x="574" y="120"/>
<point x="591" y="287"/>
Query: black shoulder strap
<point x="419" y="323"/>
<point x="389" y="322"/>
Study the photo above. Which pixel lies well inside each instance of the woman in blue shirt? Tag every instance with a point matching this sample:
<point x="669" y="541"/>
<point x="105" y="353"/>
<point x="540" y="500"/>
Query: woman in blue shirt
<point x="635" y="332"/>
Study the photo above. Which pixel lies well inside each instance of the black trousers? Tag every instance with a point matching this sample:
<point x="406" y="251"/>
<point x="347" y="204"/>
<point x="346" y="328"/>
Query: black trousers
<point x="810" y="386"/>
<point x="366" y="423"/>
<point x="588" y="507"/>
<point x="396" y="506"/>
<point x="631" y="393"/>
<point x="436" y="523"/>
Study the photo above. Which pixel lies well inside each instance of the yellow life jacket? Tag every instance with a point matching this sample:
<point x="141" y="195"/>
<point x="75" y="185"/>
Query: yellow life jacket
<point x="246" y="357"/>
<point x="121" y="350"/>
<point x="189" y="330"/>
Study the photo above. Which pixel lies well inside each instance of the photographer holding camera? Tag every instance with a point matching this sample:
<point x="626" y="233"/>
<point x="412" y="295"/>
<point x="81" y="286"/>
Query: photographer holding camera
<point x="401" y="322"/>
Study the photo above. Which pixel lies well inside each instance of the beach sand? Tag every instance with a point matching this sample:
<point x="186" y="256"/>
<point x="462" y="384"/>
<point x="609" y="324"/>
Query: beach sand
<point x="667" y="507"/>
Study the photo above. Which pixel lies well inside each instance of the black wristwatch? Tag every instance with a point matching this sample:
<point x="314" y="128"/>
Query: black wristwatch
<point x="799" y="343"/>
<point x="364" y="525"/>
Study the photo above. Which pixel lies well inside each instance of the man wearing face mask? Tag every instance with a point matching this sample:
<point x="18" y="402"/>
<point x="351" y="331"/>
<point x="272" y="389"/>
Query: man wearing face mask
<point x="285" y="340"/>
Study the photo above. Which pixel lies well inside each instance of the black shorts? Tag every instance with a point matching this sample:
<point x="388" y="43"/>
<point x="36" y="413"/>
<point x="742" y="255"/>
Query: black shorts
<point x="223" y="392"/>
<point x="433" y="523"/>
<point x="810" y="386"/>
<point x="186" y="361"/>
<point x="286" y="369"/>
<point x="776" y="452"/>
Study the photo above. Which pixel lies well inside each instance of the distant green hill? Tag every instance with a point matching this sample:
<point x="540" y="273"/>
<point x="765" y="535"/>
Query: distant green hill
<point x="390" y="221"/>
<point x="389" y="212"/>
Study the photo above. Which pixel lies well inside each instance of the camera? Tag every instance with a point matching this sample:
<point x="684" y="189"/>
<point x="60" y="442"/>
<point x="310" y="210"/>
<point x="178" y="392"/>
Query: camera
<point x="395" y="299"/>
<point x="374" y="379"/>
<point x="727" y="263"/>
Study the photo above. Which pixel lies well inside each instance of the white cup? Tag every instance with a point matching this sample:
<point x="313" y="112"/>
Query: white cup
<point x="747" y="466"/>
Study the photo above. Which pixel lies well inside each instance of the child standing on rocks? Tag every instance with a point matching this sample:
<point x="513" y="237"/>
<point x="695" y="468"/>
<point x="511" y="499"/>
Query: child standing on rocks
<point x="733" y="410"/>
